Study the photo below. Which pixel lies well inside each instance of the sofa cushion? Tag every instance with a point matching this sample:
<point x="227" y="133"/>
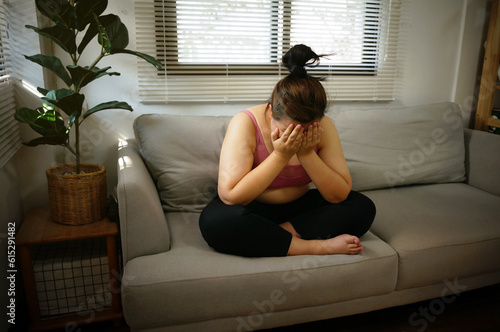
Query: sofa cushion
<point x="482" y="160"/>
<point x="182" y="154"/>
<point x="394" y="147"/>
<point x="201" y="284"/>
<point x="439" y="231"/>
<point x="383" y="148"/>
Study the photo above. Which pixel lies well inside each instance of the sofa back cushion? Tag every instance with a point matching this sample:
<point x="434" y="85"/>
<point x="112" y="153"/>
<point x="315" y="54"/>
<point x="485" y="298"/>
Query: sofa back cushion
<point x="182" y="154"/>
<point x="383" y="148"/>
<point x="394" y="147"/>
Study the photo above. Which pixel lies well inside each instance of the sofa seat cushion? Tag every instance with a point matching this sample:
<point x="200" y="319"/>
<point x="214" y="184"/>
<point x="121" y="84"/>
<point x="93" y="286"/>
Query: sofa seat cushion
<point x="439" y="231"/>
<point x="192" y="282"/>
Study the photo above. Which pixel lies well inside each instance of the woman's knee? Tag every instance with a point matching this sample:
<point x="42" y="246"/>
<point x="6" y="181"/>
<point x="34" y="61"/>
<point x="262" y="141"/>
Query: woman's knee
<point x="211" y="221"/>
<point x="207" y="225"/>
<point x="366" y="211"/>
<point x="220" y="222"/>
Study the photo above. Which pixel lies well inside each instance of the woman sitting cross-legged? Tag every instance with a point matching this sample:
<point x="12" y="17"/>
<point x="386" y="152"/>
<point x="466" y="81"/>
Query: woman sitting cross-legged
<point x="270" y="155"/>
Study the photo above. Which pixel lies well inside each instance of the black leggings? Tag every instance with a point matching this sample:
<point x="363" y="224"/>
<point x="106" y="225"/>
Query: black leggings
<point x="253" y="230"/>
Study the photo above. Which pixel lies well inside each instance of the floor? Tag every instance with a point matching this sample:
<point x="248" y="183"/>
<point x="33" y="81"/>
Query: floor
<point x="473" y="311"/>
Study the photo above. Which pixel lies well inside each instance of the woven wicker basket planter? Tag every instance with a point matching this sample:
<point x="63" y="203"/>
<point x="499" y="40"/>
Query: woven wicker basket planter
<point x="77" y="199"/>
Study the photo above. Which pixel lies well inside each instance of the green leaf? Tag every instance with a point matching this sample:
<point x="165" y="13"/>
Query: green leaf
<point x="72" y="120"/>
<point x="146" y="57"/>
<point x="44" y="91"/>
<point x="92" y="30"/>
<point x="108" y="105"/>
<point x="26" y="115"/>
<point x="53" y="124"/>
<point x="86" y="9"/>
<point x="57" y="94"/>
<point x="44" y="120"/>
<point x="59" y="11"/>
<point x="102" y="37"/>
<point x="47" y="140"/>
<point x="67" y="100"/>
<point x="52" y="63"/>
<point x="82" y="76"/>
<point x="117" y="34"/>
<point x="61" y="35"/>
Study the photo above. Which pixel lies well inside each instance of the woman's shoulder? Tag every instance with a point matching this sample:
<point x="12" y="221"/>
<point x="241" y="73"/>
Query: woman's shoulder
<point x="241" y="127"/>
<point x="240" y="133"/>
<point x="326" y="121"/>
<point x="257" y="109"/>
<point x="330" y="132"/>
<point x="248" y="117"/>
<point x="242" y="118"/>
<point x="328" y="124"/>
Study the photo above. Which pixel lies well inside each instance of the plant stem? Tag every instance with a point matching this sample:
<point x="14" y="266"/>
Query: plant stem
<point x="97" y="60"/>
<point x="77" y="145"/>
<point x="70" y="149"/>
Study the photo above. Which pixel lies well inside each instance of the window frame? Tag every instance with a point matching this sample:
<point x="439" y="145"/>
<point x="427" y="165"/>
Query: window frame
<point x="167" y="27"/>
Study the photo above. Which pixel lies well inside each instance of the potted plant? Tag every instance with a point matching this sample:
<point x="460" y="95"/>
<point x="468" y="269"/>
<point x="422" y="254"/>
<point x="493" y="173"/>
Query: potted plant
<point x="77" y="192"/>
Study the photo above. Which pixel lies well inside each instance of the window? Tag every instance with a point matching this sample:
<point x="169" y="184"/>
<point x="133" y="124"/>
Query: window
<point x="231" y="50"/>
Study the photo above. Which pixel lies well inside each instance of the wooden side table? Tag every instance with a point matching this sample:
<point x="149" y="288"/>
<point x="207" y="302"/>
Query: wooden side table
<point x="38" y="228"/>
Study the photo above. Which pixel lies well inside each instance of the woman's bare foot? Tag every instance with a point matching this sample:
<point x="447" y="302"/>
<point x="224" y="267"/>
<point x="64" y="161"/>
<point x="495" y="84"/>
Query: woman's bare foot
<point x="342" y="244"/>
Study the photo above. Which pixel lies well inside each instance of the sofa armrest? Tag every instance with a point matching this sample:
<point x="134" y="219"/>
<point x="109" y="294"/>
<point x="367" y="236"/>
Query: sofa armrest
<point x="143" y="228"/>
<point x="482" y="160"/>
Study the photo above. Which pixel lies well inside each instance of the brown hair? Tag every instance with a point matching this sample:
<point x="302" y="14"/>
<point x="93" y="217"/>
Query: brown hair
<point x="299" y="96"/>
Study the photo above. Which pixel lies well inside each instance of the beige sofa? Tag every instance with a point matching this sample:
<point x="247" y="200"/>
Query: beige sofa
<point x="436" y="187"/>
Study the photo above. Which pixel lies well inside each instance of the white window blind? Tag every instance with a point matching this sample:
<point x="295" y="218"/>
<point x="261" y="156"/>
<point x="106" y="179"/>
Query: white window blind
<point x="231" y="50"/>
<point x="22" y="42"/>
<point x="10" y="138"/>
<point x="15" y="41"/>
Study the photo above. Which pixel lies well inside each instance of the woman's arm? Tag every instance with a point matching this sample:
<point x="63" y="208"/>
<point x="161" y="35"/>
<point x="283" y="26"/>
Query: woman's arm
<point x="238" y="182"/>
<point x="328" y="168"/>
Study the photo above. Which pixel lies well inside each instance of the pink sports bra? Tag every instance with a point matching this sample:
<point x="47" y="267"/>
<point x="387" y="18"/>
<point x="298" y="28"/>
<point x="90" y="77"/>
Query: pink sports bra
<point x="290" y="176"/>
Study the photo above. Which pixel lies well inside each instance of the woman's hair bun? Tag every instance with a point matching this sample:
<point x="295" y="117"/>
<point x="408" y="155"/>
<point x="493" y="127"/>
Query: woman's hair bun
<point x="298" y="57"/>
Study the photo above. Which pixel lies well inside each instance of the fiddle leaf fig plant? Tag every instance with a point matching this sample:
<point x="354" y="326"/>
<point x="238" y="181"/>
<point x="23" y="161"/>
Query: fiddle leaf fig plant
<point x="76" y="24"/>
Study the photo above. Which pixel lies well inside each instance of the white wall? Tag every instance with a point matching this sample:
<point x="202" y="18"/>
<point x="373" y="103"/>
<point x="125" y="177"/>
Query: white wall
<point x="443" y="52"/>
<point x="471" y="55"/>
<point x="433" y="36"/>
